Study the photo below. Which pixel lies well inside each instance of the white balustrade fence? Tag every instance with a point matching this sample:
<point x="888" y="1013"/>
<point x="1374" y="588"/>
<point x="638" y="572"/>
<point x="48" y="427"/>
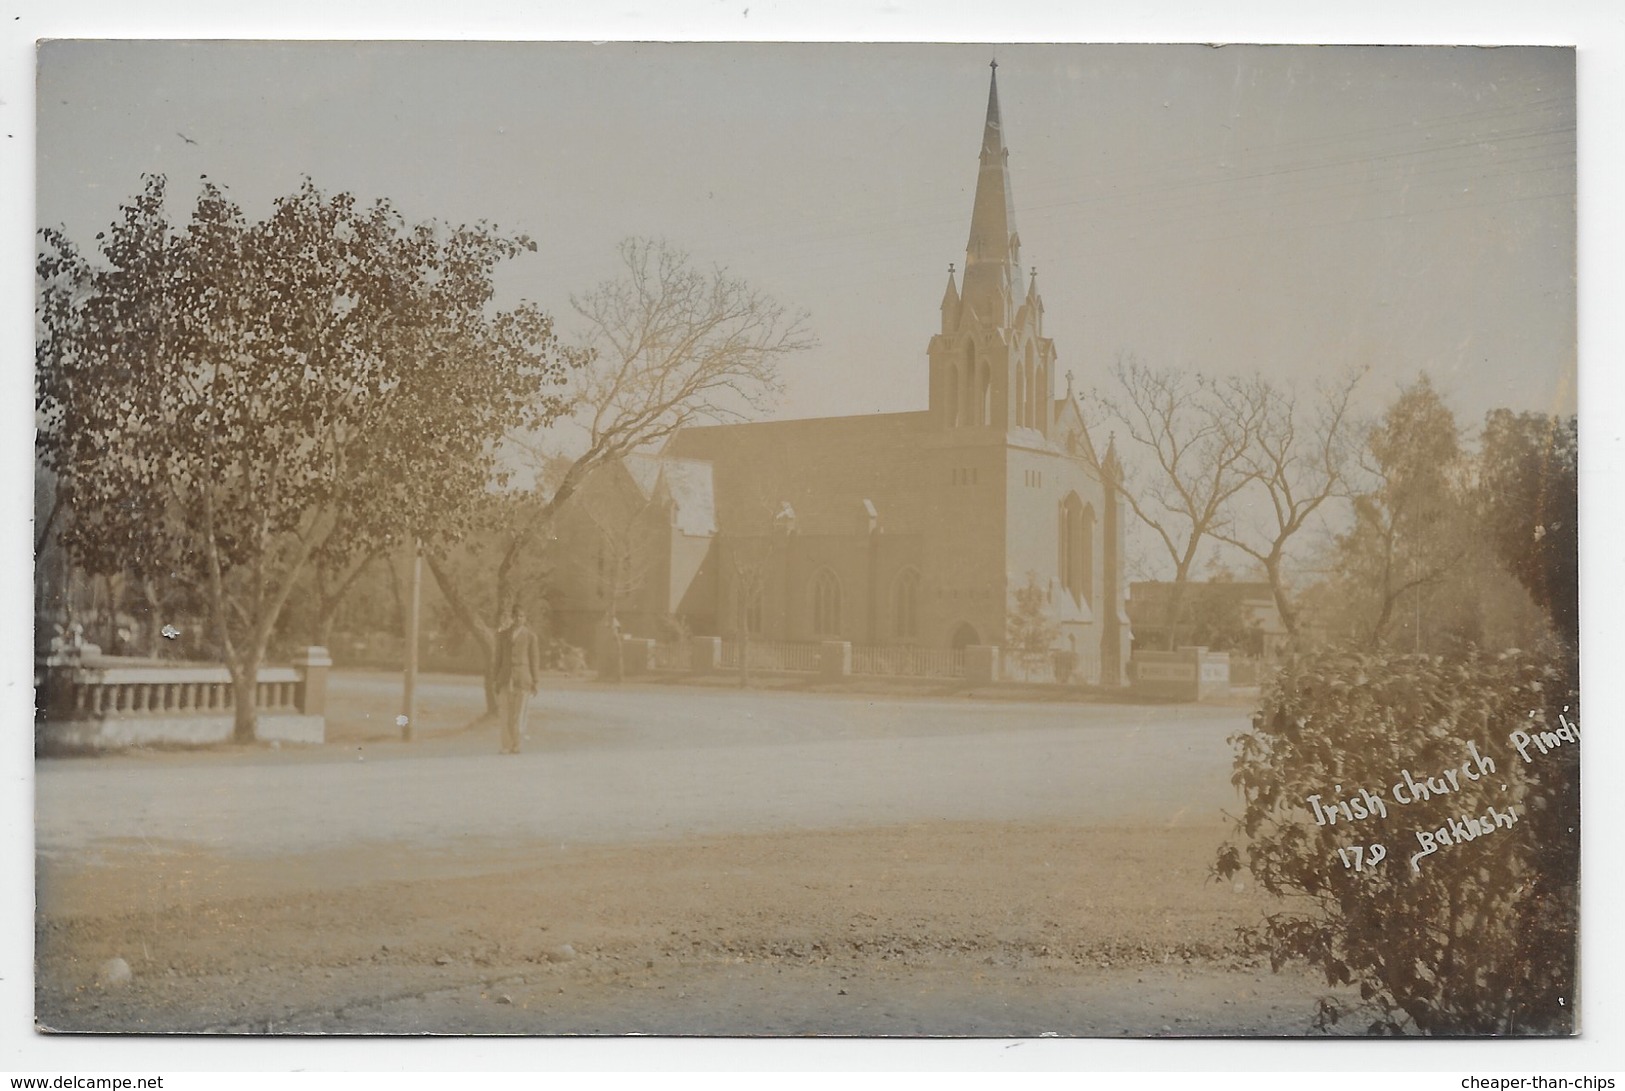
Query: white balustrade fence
<point x="104" y="702"/>
<point x="771" y="655"/>
<point x="134" y="691"/>
<point x="909" y="662"/>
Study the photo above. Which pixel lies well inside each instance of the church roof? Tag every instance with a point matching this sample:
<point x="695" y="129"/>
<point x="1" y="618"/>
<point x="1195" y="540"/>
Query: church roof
<point x="689" y="481"/>
<point x="644" y="470"/>
<point x="686" y="481"/>
<point x="823" y="467"/>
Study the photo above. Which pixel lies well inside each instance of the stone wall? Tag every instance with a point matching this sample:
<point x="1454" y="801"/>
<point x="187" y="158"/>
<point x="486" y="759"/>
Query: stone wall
<point x="107" y="703"/>
<point x="1188" y="674"/>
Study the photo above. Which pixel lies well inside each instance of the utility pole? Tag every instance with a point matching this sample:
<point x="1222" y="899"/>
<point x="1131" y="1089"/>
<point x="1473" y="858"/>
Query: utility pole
<point x="409" y="702"/>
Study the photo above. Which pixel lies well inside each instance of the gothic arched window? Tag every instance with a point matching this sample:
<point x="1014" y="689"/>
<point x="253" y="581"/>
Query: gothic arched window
<point x="1076" y="551"/>
<point x="967" y="387"/>
<point x="905" y="605"/>
<point x="1041" y="390"/>
<point x="826" y="604"/>
<point x="1021" y="397"/>
<point x="1029" y="390"/>
<point x="1086" y="569"/>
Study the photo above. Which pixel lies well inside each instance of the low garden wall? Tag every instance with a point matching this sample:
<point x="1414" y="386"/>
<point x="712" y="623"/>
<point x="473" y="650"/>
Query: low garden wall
<point x="94" y="702"/>
<point x="1187" y="674"/>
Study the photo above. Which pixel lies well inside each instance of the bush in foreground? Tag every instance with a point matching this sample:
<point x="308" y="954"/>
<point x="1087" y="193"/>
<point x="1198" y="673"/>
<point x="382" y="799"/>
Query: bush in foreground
<point x="1420" y="818"/>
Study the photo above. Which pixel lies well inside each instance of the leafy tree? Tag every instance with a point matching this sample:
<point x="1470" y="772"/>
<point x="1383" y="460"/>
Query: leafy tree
<point x="230" y="399"/>
<point x="1527" y="497"/>
<point x="1477" y="936"/>
<point x="1218" y="619"/>
<point x="1192" y="437"/>
<point x="1030" y="627"/>
<point x="373" y="602"/>
<point x="1411" y="527"/>
<point x="668" y="345"/>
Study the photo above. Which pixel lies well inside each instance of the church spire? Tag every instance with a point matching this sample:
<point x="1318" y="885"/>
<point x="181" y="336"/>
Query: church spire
<point x="993" y="253"/>
<point x="1111" y="464"/>
<point x="991" y="365"/>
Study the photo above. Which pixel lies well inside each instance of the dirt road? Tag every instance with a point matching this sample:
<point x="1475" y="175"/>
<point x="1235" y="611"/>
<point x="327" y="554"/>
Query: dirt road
<point x="626" y="765"/>
<point x="692" y="862"/>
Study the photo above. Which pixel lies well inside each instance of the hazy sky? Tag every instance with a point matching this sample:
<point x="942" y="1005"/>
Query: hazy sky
<point x="1283" y="209"/>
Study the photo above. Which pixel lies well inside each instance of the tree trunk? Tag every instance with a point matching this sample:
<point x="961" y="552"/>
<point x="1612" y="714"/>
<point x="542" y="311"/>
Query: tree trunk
<point x="742" y="600"/>
<point x="485" y="636"/>
<point x="1176" y="602"/>
<point x="324" y="626"/>
<point x="617" y="663"/>
<point x="398" y="596"/>
<point x="49" y="524"/>
<point x="155" y="619"/>
<point x="1283" y="605"/>
<point x="109" y="640"/>
<point x="244" y="709"/>
<point x="1379" y="628"/>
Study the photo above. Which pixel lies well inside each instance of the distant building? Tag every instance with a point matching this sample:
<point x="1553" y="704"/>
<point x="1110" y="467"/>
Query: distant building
<point x="897" y="528"/>
<point x="1226" y="615"/>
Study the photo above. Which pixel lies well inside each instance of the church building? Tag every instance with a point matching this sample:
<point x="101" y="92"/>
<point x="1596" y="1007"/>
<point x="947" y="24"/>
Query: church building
<point x="913" y="528"/>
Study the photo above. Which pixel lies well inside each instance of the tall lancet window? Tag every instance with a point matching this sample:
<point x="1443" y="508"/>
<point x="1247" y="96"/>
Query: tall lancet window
<point x="1021" y="396"/>
<point x="1087" y="569"/>
<point x="1041" y="396"/>
<point x="1077" y="548"/>
<point x="1028" y="390"/>
<point x="967" y="386"/>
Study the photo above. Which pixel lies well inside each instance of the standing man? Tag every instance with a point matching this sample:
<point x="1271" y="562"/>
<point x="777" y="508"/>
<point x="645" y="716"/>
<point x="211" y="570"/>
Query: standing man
<point x="519" y="673"/>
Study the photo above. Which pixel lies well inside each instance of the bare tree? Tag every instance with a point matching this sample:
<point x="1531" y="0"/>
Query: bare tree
<point x="623" y="556"/>
<point x="1297" y="461"/>
<point x="668" y="345"/>
<point x="1191" y="437"/>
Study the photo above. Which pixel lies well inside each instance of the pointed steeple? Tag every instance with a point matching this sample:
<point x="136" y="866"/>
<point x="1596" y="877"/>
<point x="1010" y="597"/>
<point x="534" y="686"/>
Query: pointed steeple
<point x="991" y="365"/>
<point x="1111" y="465"/>
<point x="992" y="137"/>
<point x="993" y="252"/>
